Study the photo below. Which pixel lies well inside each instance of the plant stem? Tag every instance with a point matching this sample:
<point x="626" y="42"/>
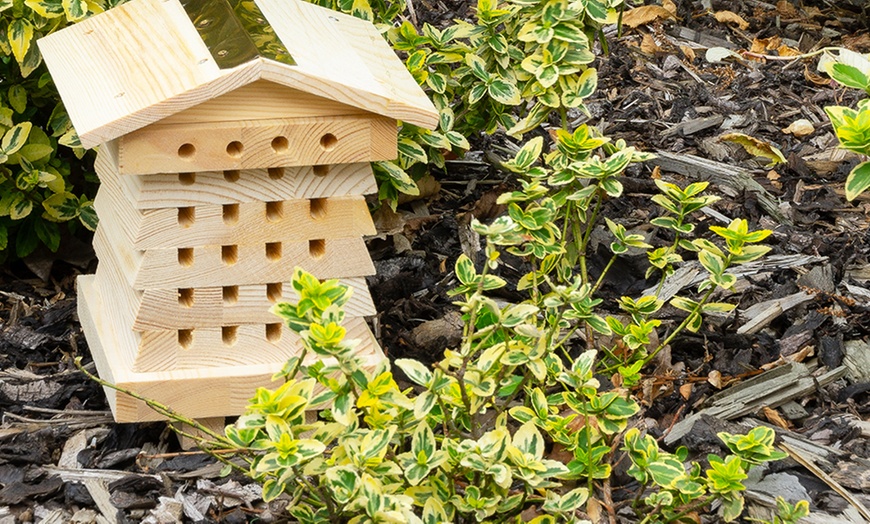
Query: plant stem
<point x="603" y="274"/>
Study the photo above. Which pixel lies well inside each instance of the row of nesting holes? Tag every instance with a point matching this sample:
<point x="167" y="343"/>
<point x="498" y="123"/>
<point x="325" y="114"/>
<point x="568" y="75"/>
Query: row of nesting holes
<point x="230" y="294"/>
<point x="229" y="334"/>
<point x="280" y="145"/>
<point x="230" y="253"/>
<point x="233" y="175"/>
<point x="274" y="212"/>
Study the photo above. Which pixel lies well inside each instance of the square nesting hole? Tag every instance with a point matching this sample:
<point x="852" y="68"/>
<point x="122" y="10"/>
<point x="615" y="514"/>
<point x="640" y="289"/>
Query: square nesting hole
<point x="230" y="294"/>
<point x="275" y="291"/>
<point x="273" y="332"/>
<point x="185" y="297"/>
<point x="185" y="256"/>
<point x="185" y="338"/>
<point x="273" y="251"/>
<point x="186" y="216"/>
<point x="229" y="335"/>
<point x="229" y="254"/>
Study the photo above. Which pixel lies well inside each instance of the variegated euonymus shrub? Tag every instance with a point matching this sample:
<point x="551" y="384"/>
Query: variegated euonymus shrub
<point x="509" y="69"/>
<point x="45" y="180"/>
<point x="513" y="420"/>
<point x="852" y="126"/>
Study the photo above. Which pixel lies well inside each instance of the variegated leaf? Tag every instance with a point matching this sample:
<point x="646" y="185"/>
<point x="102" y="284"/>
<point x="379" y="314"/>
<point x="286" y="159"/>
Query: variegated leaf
<point x="20" y="34"/>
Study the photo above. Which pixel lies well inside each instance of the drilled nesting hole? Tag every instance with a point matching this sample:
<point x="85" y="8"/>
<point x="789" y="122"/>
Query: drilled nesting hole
<point x="235" y="148"/>
<point x="229" y="334"/>
<point x="186" y="216"/>
<point x="185" y="338"/>
<point x="231" y="214"/>
<point x="186" y="179"/>
<point x="232" y="175"/>
<point x="328" y="142"/>
<point x="321" y="170"/>
<point x="230" y="294"/>
<point x="185" y="297"/>
<point x="317" y="208"/>
<point x="280" y="144"/>
<point x="185" y="256"/>
<point x="186" y="151"/>
<point x="274" y="211"/>
<point x="275" y="173"/>
<point x="274" y="291"/>
<point x="273" y="332"/>
<point x="317" y="248"/>
<point x="273" y="251"/>
<point x="230" y="254"/>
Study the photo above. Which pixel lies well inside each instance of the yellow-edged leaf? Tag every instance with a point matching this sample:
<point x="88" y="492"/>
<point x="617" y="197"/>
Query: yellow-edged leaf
<point x="75" y="10"/>
<point x="756" y="147"/>
<point x="46" y="8"/>
<point x="20" y="34"/>
<point x="15" y="138"/>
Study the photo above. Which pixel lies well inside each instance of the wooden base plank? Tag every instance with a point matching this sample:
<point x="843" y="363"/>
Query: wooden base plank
<point x="235" y="187"/>
<point x="247" y="223"/>
<point x="255" y="144"/>
<point x="198" y="393"/>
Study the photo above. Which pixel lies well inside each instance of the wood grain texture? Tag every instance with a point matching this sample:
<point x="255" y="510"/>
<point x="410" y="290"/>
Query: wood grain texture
<point x="146" y="62"/>
<point x="255" y="185"/>
<point x="355" y="65"/>
<point x="199" y="393"/>
<point x="256" y="144"/>
<point x="262" y="100"/>
<point x="227" y="346"/>
<point x="206" y="266"/>
<point x="162" y="309"/>
<point x="189" y="308"/>
<point x="251" y="222"/>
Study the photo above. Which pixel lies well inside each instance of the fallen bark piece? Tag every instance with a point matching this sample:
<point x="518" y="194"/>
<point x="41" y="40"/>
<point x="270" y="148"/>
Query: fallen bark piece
<point x="761" y="314"/>
<point x="733" y="178"/>
<point x="806" y="462"/>
<point x="690" y="273"/>
<point x="857" y="359"/>
<point x="771" y="388"/>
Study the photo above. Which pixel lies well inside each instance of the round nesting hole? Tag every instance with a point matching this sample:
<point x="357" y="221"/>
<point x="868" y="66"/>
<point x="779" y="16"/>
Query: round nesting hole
<point x="275" y="173"/>
<point x="280" y="144"/>
<point x="235" y="148"/>
<point x="232" y="175"/>
<point x="186" y="151"/>
<point x="321" y="170"/>
<point x="186" y="179"/>
<point x="328" y="142"/>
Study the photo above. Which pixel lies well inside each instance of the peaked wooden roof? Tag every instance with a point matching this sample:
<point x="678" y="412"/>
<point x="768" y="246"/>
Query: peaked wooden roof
<point x="144" y="61"/>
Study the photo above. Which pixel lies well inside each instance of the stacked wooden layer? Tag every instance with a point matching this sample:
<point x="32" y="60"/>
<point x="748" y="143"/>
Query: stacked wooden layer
<point x="191" y="262"/>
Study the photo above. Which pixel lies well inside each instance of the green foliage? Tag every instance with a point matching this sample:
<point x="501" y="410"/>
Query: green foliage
<point x="675" y="490"/>
<point x="852" y="126"/>
<point x="469" y="443"/>
<point x="44" y="179"/>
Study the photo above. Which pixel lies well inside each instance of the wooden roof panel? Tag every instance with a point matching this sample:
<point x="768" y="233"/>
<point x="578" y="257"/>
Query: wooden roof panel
<point x="144" y="61"/>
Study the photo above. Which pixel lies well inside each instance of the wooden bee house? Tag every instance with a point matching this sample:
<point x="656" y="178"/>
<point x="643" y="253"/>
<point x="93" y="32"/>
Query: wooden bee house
<point x="234" y="145"/>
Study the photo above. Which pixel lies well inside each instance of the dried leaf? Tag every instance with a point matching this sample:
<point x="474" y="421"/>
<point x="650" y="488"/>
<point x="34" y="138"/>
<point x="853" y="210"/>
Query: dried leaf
<point x="593" y="509"/>
<point x="756" y="147"/>
<point x="644" y="15"/>
<point x="649" y="46"/>
<point x="800" y="128"/>
<point x="774" y="417"/>
<point x="730" y="17"/>
<point x="760" y="45"/>
<point x="656" y="173"/>
<point x="785" y="50"/>
<point x="688" y="52"/>
<point x="715" y="379"/>
<point x="670" y="6"/>
<point x="686" y="390"/>
<point x="785" y="9"/>
<point x="814" y="78"/>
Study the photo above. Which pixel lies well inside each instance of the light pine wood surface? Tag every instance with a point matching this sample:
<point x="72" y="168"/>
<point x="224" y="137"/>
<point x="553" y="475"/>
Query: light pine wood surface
<point x="250" y="223"/>
<point x="186" y="308"/>
<point x="255" y="144"/>
<point x="146" y="62"/>
<point x="232" y="187"/>
<point x="212" y="266"/>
